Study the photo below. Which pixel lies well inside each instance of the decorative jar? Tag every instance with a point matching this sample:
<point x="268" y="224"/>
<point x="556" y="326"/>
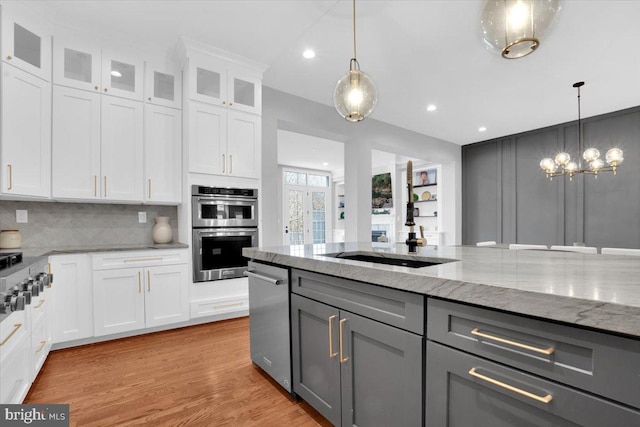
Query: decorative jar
<point x="10" y="239"/>
<point x="162" y="232"/>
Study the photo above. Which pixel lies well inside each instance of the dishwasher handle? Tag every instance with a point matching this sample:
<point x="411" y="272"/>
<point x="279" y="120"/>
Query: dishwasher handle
<point x="271" y="280"/>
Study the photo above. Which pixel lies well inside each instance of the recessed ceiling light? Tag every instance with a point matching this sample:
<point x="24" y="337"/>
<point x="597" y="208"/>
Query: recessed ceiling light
<point x="308" y="54"/>
<point x="431" y="107"/>
<point x="482" y="129"/>
<point x="325" y="164"/>
<point x="115" y="73"/>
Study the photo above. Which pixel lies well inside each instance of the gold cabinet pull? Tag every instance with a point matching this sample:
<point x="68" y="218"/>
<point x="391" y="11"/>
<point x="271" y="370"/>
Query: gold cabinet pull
<point x="15" y="329"/>
<point x="142" y="259"/>
<point x="331" y="353"/>
<point x="139" y="282"/>
<point x="223" y="163"/>
<point x="42" y="343"/>
<point x="543" y="399"/>
<point x="95" y="185"/>
<point x="10" y="177"/>
<point x="96" y="87"/>
<point x="230" y="163"/>
<point x="342" y="359"/>
<point x="105" y="89"/>
<point x="148" y="281"/>
<point x="149" y="187"/>
<point x="105" y="186"/>
<point x="48" y="268"/>
<point x="39" y="305"/>
<point x="546" y="351"/>
<point x="9" y="57"/>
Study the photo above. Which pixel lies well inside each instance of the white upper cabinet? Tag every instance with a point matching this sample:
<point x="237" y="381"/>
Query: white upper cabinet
<point x="76" y="143"/>
<point x="207" y="139"/>
<point x="76" y="64"/>
<point x="122" y="75"/>
<point x="121" y="149"/>
<point x="162" y="154"/>
<point x="26" y="134"/>
<point x="243" y="144"/>
<point x="25" y="43"/>
<point x="163" y="85"/>
<point x="223" y="83"/>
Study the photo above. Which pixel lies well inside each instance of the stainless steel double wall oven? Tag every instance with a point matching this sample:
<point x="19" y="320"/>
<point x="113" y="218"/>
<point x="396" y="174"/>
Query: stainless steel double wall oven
<point x="225" y="220"/>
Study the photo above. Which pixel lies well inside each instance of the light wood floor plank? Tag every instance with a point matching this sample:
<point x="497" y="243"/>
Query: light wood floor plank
<point x="196" y="376"/>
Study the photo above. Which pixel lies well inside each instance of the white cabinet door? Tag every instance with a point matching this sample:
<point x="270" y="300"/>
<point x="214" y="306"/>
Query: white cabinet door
<point x="243" y="144"/>
<point x="118" y="301"/>
<point x="72" y="313"/>
<point x="26" y="134"/>
<point x="244" y="92"/>
<point x="162" y="154"/>
<point x="122" y="75"/>
<point x="121" y="149"/>
<point x="166" y="298"/>
<point x="163" y="85"/>
<point x="207" y="139"/>
<point x="14" y="358"/>
<point x="25" y="43"/>
<point x="76" y="64"/>
<point x="207" y="80"/>
<point x="76" y="143"/>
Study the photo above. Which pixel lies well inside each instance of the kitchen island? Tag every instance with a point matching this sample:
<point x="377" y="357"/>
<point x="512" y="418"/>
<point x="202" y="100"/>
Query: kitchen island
<point x="503" y="336"/>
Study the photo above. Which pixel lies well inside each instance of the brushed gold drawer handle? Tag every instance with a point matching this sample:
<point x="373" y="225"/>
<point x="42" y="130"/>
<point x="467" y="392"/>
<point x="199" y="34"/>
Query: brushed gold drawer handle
<point x="15" y="329"/>
<point x="105" y="185"/>
<point x="546" y="351"/>
<point x="95" y="186"/>
<point x="342" y="359"/>
<point x="148" y="281"/>
<point x="223" y="163"/>
<point x="139" y="283"/>
<point x="543" y="399"/>
<point x="142" y="259"/>
<point x="230" y="163"/>
<point x="42" y="343"/>
<point x="149" y="187"/>
<point x="39" y="305"/>
<point x="331" y="353"/>
<point x="232" y="304"/>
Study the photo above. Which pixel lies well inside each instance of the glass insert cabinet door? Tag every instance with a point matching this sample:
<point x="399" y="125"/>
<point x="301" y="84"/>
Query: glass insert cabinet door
<point x="162" y="85"/>
<point x="25" y="44"/>
<point x="76" y="65"/>
<point x="122" y="76"/>
<point x="207" y="80"/>
<point x="245" y="93"/>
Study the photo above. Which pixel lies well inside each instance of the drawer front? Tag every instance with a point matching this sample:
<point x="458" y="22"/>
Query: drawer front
<point x="110" y="260"/>
<point x="404" y="310"/>
<point x="39" y="306"/>
<point x="14" y="367"/>
<point x="600" y="363"/>
<point x="465" y="390"/>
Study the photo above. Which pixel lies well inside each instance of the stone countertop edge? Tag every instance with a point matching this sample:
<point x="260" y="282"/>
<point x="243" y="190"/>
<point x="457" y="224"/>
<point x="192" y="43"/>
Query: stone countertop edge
<point x="81" y="249"/>
<point x="608" y="317"/>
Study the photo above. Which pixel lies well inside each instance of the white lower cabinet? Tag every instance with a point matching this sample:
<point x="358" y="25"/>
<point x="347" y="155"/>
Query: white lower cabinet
<point x="14" y="358"/>
<point x="41" y="339"/>
<point x="72" y="314"/>
<point x="129" y="298"/>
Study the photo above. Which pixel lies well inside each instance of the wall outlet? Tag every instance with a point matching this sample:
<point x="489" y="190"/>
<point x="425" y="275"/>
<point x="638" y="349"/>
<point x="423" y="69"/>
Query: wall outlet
<point x="142" y="217"/>
<point x="22" y="216"/>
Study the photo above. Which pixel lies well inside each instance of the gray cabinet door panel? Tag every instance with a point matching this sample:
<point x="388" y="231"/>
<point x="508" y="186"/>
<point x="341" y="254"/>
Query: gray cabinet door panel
<point x="391" y="306"/>
<point x="604" y="364"/>
<point x="316" y="375"/>
<point x="456" y="398"/>
<point x="382" y="378"/>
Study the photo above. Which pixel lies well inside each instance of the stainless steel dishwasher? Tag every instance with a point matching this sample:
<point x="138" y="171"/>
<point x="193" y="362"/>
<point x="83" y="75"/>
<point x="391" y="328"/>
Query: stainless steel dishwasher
<point x="269" y="321"/>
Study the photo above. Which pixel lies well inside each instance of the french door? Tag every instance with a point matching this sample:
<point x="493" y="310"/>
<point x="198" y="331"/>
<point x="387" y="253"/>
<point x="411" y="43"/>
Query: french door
<point x="306" y="213"/>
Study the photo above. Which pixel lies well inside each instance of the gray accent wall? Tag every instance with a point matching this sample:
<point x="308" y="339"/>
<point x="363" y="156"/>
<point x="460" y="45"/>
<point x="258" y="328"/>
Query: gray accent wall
<point x="53" y="224"/>
<point x="507" y="198"/>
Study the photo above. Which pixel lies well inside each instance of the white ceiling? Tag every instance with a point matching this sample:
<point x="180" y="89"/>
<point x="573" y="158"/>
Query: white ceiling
<point x="417" y="52"/>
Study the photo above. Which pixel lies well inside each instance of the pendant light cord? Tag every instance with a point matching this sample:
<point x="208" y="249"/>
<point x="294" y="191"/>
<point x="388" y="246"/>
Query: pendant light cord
<point x="579" y="133"/>
<point x="354" y="29"/>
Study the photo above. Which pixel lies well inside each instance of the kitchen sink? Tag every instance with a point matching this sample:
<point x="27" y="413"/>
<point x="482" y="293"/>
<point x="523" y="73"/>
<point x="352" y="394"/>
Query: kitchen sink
<point x="400" y="260"/>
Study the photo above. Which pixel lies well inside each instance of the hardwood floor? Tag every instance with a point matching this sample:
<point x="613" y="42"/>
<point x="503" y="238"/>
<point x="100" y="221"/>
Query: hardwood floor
<point x="196" y="376"/>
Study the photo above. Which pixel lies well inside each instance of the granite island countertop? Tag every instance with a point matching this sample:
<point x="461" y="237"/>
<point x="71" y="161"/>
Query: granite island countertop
<point x="596" y="291"/>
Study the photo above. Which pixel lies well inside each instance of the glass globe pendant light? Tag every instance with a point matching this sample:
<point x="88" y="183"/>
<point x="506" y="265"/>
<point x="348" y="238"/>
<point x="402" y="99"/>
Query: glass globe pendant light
<point x="355" y="95"/>
<point x="514" y="28"/>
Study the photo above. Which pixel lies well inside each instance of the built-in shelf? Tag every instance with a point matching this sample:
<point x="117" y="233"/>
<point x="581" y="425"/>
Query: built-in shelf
<point x="422" y="201"/>
<point x="425" y="185"/>
<point x="425" y="216"/>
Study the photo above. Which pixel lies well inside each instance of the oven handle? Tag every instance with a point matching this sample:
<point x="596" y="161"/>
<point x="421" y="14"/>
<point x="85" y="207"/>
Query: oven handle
<point x="271" y="280"/>
<point x="213" y="232"/>
<point x="221" y="200"/>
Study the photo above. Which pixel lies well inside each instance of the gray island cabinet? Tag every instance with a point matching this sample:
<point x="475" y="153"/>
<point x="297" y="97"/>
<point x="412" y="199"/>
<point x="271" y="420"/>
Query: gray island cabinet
<point x="377" y="345"/>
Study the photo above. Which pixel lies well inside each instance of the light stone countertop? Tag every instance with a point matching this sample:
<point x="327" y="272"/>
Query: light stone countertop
<point x="596" y="291"/>
<point x="80" y="249"/>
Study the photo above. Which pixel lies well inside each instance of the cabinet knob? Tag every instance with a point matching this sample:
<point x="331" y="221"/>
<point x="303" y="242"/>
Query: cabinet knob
<point x="105" y="89"/>
<point x="231" y="103"/>
<point x="149" y="98"/>
<point x="9" y="57"/>
<point x="224" y="102"/>
<point x="96" y="87"/>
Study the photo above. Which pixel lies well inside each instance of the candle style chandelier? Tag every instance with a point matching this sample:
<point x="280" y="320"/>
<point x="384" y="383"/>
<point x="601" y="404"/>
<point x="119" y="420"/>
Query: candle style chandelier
<point x="562" y="165"/>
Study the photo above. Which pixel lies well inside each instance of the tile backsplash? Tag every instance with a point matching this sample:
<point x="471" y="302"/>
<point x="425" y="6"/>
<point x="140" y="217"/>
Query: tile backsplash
<point x="68" y="224"/>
